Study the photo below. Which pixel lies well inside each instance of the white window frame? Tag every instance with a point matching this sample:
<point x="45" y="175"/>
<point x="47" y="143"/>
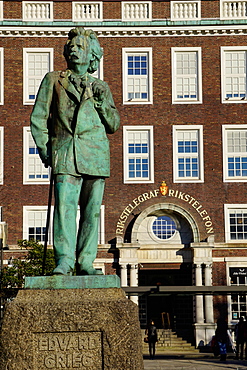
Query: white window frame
<point x="224" y="50"/>
<point x="27" y="19"/>
<point x="26" y="158"/>
<point x="133" y="3"/>
<point x="26" y="210"/>
<point x="184" y="128"/>
<point x="1" y="154"/>
<point x="227" y="209"/>
<point x="1" y="76"/>
<point x="1" y="10"/>
<point x="233" y="262"/>
<point x="139" y="180"/>
<point x="226" y="128"/>
<point x="101" y="232"/>
<point x="26" y="52"/>
<point x="174" y="53"/>
<point x="235" y="12"/>
<point x="182" y="4"/>
<point x="77" y="19"/>
<point x="125" y="53"/>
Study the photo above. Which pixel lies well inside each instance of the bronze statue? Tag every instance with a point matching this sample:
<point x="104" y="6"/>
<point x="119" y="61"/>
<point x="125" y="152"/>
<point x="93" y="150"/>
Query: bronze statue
<point x="72" y="114"/>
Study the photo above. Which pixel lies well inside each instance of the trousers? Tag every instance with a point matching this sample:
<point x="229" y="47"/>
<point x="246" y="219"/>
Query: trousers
<point x="73" y="242"/>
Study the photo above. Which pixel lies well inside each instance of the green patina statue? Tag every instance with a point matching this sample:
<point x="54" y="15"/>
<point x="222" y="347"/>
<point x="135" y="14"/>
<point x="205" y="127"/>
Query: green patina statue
<point x="72" y="114"/>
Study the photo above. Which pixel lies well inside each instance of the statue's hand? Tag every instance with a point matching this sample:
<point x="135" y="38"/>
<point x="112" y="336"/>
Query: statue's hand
<point x="98" y="91"/>
<point x="47" y="162"/>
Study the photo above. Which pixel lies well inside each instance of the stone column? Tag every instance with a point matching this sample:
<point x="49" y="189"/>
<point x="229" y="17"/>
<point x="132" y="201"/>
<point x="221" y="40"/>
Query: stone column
<point x="199" y="298"/>
<point x="209" y="313"/>
<point x="134" y="281"/>
<point x="124" y="275"/>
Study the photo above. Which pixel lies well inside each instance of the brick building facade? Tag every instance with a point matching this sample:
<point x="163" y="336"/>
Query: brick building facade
<point x="177" y="71"/>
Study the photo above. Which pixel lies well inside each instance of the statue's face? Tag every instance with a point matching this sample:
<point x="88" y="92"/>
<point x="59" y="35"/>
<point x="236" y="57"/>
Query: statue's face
<point x="79" y="51"/>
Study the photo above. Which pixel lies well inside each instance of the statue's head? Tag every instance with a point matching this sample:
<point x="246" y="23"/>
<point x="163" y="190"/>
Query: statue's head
<point x="91" y="44"/>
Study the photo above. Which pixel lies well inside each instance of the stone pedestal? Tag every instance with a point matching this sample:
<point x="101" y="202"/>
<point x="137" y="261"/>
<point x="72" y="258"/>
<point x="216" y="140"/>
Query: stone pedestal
<point x="86" y="328"/>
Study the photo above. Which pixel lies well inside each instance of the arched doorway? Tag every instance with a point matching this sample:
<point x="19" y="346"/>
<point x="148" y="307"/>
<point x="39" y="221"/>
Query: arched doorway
<point x="165" y="232"/>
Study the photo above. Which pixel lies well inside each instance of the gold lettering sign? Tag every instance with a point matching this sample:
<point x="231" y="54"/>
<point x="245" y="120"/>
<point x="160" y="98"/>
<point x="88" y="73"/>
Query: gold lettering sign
<point x="69" y="351"/>
<point x="170" y="193"/>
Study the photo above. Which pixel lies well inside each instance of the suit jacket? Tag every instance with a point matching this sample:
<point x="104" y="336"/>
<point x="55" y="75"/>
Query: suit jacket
<point x="71" y="128"/>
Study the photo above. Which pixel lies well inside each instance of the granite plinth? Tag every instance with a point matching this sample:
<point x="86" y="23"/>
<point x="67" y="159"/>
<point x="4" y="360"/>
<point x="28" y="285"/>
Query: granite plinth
<point x="72" y="282"/>
<point x="93" y="329"/>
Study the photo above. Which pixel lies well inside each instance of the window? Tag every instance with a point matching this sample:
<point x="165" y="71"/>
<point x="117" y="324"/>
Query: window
<point x="136" y="10"/>
<point x="87" y="11"/>
<point x="1" y="155"/>
<point x="186" y="75"/>
<point x="234" y="153"/>
<point x="188" y="153"/>
<point x="185" y="10"/>
<point x="235" y="223"/>
<point x="238" y="276"/>
<point x="233" y="9"/>
<point x="233" y="74"/>
<point x="137" y="76"/>
<point x="37" y="10"/>
<point x="1" y="76"/>
<point x="34" y="172"/>
<point x="138" y="154"/>
<point x="37" y="62"/>
<point x="164" y="227"/>
<point x="34" y="223"/>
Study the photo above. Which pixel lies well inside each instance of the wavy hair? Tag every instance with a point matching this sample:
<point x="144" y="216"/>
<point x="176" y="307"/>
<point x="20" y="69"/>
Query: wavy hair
<point x="93" y="43"/>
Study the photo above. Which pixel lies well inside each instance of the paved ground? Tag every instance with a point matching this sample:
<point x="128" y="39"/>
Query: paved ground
<point x="171" y="361"/>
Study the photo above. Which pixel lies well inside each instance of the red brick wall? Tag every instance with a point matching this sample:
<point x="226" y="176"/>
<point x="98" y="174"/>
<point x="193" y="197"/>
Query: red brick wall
<point x="210" y="9"/>
<point x="62" y="10"/>
<point x="219" y="273"/>
<point x="212" y="194"/>
<point x="12" y="9"/>
<point x="112" y="10"/>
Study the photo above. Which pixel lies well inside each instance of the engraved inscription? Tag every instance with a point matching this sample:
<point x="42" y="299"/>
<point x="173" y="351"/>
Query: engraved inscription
<point x="80" y="350"/>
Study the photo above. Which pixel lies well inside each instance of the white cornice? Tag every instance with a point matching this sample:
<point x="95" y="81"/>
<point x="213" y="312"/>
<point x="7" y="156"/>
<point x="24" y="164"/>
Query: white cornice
<point x="118" y="31"/>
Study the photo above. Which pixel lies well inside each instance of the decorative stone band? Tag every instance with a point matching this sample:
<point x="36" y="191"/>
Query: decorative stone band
<point x="118" y="29"/>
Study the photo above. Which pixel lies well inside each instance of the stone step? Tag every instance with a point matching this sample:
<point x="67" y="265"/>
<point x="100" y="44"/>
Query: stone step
<point x="169" y="341"/>
<point x="174" y="344"/>
<point x="177" y="349"/>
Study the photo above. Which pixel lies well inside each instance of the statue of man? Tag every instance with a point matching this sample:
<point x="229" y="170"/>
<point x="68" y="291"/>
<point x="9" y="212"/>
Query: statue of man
<point x="72" y="114"/>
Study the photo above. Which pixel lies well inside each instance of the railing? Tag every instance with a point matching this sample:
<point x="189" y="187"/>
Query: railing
<point x="186" y="10"/>
<point x="139" y="11"/>
<point x="37" y="11"/>
<point x="87" y="11"/>
<point x="233" y="9"/>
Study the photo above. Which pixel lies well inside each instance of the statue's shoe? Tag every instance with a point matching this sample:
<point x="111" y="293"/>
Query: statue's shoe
<point x="62" y="270"/>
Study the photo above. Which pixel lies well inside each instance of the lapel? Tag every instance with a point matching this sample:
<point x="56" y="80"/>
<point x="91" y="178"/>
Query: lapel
<point x="68" y="85"/>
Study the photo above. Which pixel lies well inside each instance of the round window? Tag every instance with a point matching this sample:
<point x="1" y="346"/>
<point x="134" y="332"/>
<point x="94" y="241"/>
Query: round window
<point x="164" y="227"/>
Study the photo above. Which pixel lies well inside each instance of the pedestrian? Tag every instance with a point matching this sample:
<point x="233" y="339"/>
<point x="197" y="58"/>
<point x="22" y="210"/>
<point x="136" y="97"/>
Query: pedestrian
<point x="240" y="330"/>
<point x="151" y="333"/>
<point x="222" y="337"/>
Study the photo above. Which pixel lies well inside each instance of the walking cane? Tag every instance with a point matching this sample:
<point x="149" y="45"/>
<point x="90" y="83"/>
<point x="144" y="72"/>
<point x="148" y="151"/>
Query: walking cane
<point x="47" y="222"/>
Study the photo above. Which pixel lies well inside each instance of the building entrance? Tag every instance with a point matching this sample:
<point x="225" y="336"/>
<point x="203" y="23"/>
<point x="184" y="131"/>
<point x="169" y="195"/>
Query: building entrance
<point x="169" y="311"/>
